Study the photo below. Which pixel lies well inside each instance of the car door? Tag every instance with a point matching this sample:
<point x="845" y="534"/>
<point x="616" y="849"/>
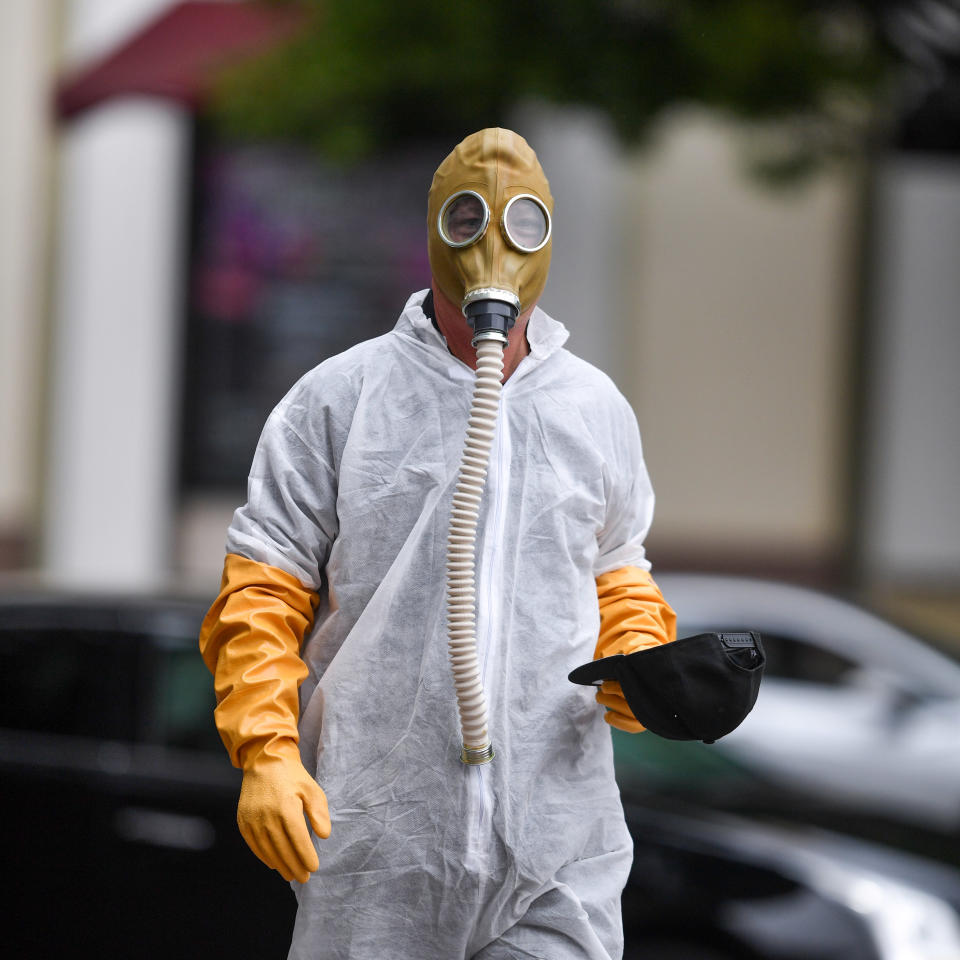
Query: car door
<point x="852" y="732"/>
<point x="67" y="710"/>
<point x="181" y="854"/>
<point x="117" y="801"/>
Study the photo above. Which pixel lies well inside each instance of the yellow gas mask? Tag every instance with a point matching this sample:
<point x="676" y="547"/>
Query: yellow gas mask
<point x="490" y="269"/>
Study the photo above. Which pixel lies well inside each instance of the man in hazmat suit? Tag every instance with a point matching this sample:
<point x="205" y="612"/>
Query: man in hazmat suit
<point x="327" y="638"/>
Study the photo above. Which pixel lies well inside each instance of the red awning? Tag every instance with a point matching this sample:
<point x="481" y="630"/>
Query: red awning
<point x="174" y="56"/>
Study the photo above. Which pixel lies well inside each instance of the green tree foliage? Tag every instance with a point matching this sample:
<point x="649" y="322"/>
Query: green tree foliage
<point x="365" y="75"/>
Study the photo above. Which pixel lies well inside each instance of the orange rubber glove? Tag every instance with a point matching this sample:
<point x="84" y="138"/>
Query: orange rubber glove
<point x="250" y="641"/>
<point x="633" y="616"/>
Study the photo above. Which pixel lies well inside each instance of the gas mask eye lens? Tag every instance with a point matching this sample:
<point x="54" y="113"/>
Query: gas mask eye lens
<point x="526" y="223"/>
<point x="463" y="218"/>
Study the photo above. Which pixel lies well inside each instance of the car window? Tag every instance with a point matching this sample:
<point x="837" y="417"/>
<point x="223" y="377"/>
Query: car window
<point x="789" y="658"/>
<point x="72" y="682"/>
<point x="183" y="701"/>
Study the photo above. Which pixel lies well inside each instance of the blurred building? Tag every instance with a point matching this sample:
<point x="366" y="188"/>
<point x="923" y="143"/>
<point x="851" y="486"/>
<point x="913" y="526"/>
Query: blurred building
<point x="791" y="355"/>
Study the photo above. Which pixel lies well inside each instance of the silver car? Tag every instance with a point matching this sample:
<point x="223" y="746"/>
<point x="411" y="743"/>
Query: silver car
<point x="852" y="710"/>
<point x="847" y="768"/>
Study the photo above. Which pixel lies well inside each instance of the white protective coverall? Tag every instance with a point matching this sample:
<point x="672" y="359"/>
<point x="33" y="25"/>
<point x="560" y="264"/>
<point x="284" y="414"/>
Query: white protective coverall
<point x="350" y="492"/>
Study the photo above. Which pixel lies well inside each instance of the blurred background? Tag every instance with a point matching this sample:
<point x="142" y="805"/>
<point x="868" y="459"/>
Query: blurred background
<point x="756" y="234"/>
<point x="757" y="229"/>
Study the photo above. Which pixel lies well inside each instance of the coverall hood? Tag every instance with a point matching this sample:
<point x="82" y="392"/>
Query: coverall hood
<point x="496" y="253"/>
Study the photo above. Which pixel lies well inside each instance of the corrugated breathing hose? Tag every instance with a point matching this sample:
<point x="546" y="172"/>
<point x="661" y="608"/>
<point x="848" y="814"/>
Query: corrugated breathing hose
<point x="461" y="550"/>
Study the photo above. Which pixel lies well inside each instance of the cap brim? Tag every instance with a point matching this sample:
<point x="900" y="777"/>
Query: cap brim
<point x="589" y="674"/>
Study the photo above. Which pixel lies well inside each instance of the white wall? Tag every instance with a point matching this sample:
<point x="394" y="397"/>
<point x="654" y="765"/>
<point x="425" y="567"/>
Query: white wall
<point x="912" y="528"/>
<point x="741" y="305"/>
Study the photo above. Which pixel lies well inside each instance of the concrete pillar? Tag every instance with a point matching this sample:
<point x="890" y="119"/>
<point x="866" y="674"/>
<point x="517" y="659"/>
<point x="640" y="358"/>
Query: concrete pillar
<point x="115" y="390"/>
<point x="911" y="529"/>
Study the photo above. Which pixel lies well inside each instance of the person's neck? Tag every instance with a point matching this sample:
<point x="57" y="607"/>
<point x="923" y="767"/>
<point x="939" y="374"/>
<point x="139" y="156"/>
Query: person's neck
<point x="458" y="334"/>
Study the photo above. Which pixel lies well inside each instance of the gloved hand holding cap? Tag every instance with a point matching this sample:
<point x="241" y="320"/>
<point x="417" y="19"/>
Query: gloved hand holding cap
<point x="697" y="688"/>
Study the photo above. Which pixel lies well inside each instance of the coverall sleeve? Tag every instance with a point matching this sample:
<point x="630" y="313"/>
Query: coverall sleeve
<point x="629" y="494"/>
<point x="277" y="547"/>
<point x="633" y="611"/>
<point x="290" y="518"/>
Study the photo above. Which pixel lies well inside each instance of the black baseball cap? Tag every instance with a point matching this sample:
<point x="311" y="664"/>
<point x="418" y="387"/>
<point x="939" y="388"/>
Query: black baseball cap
<point x="697" y="688"/>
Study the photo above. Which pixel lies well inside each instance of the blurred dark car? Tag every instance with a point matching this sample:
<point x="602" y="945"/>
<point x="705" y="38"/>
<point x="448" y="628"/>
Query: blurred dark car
<point x="118" y="817"/>
<point x="117" y="801"/>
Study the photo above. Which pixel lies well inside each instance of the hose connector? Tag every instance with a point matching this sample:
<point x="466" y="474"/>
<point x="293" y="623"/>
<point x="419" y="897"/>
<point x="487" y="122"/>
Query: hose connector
<point x="492" y="313"/>
<point x="477" y="755"/>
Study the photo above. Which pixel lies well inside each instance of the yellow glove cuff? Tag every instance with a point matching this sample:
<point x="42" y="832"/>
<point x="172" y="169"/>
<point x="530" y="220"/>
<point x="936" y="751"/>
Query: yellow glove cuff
<point x="633" y="616"/>
<point x="250" y="641"/>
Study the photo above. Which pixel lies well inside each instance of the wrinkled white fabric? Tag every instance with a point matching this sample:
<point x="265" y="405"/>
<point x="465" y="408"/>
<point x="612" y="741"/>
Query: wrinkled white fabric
<point x="350" y="492"/>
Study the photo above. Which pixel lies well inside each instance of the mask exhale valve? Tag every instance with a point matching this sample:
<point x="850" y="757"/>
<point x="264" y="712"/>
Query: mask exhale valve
<point x="491" y="320"/>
